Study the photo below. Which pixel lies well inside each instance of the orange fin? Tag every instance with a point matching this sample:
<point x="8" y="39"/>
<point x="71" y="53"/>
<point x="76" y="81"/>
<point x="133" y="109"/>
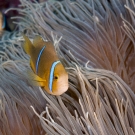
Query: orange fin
<point x="38" y="40"/>
<point x="27" y="45"/>
<point x="35" y="79"/>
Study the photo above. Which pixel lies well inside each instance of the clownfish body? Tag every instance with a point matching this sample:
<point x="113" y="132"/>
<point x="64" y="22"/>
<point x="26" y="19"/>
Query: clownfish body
<point x="49" y="73"/>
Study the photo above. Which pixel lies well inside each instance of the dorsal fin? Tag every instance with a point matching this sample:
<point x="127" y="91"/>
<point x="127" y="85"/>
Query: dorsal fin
<point x="27" y="46"/>
<point x="38" y="41"/>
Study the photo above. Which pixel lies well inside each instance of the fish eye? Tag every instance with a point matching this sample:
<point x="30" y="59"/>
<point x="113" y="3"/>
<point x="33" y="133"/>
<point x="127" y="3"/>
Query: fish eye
<point x="56" y="77"/>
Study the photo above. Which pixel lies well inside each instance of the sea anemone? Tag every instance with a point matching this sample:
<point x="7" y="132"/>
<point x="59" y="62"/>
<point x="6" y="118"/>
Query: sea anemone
<point x="95" y="42"/>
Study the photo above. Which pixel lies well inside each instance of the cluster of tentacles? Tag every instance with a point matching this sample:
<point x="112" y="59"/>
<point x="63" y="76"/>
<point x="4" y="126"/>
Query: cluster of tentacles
<point x="95" y="42"/>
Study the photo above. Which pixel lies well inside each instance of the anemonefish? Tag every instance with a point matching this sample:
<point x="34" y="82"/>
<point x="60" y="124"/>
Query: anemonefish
<point x="48" y="71"/>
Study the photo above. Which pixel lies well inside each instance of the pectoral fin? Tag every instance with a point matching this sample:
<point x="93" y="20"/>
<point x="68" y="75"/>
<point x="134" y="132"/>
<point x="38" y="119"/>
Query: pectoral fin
<point x="35" y="79"/>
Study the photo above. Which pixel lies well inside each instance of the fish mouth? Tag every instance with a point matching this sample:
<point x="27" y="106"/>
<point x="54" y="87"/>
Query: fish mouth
<point x="63" y="86"/>
<point x="62" y="89"/>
